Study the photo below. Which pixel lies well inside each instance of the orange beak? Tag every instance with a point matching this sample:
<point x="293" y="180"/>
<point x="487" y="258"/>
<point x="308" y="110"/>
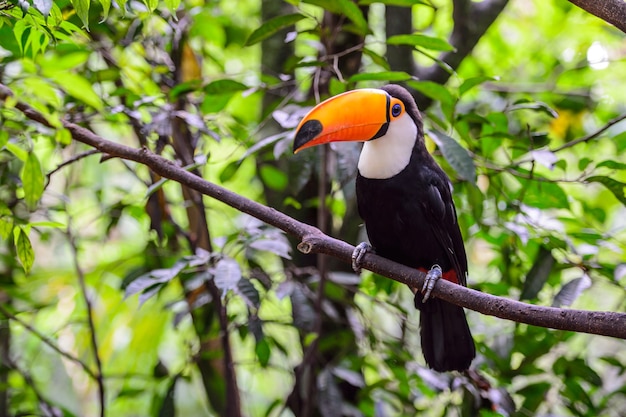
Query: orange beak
<point x="356" y="116"/>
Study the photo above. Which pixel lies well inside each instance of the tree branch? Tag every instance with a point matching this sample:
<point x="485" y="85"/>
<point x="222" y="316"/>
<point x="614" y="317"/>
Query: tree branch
<point x="611" y="11"/>
<point x="314" y="241"/>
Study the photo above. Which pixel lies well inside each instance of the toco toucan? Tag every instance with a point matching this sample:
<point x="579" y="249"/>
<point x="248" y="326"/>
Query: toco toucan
<point x="405" y="200"/>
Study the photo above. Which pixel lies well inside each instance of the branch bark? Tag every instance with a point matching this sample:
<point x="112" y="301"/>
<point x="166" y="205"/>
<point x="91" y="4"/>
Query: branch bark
<point x="314" y="241"/>
<point x="611" y="11"/>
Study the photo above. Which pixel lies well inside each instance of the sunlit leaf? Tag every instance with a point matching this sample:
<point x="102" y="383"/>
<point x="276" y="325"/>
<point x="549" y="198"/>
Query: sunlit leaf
<point x="402" y="3"/>
<point x="473" y="82"/>
<point x="78" y="87"/>
<point x="6" y="222"/>
<point x="272" y="26"/>
<point x="423" y="41"/>
<point x="543" y="194"/>
<point x="227" y="274"/>
<point x="614" y="186"/>
<point x="354" y="13"/>
<point x="457" y="156"/>
<point x="82" y="10"/>
<point x="278" y="246"/>
<point x="24" y="250"/>
<point x="380" y="76"/>
<point x="32" y="180"/>
<point x="433" y="90"/>
<point x="172" y="5"/>
<point x="377" y="59"/>
<point x="156" y="276"/>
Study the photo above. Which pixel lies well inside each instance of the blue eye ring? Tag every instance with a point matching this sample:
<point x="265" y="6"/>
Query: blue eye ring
<point x="396" y="110"/>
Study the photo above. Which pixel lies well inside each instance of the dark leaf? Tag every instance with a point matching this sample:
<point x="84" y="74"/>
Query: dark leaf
<point x="423" y="41"/>
<point x="614" y="186"/>
<point x="249" y="292"/>
<point x="612" y="165"/>
<point x="538" y="274"/>
<point x="473" y="82"/>
<point x="456" y="155"/>
<point x="571" y="291"/>
<point x="263" y="351"/>
<point x="272" y="26"/>
<point x="167" y="408"/>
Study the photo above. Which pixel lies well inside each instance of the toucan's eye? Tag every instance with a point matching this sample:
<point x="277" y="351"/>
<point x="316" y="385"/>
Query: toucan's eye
<point x="396" y="109"/>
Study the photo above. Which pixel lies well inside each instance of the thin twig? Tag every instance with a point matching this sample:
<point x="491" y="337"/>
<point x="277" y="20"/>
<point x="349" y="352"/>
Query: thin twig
<point x="73" y="159"/>
<point x="314" y="241"/>
<point x="90" y="321"/>
<point x="591" y="136"/>
<point x="47" y="341"/>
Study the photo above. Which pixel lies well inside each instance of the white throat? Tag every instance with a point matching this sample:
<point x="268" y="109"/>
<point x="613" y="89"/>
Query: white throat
<point x="388" y="155"/>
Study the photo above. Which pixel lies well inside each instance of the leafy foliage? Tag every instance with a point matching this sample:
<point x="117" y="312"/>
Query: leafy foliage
<point x="530" y="128"/>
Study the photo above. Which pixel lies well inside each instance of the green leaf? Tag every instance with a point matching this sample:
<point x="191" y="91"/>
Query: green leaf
<point x="377" y="59"/>
<point x="543" y="194"/>
<point x="418" y="40"/>
<point x="433" y="90"/>
<point x="473" y="82"/>
<point x="612" y="165"/>
<point x="225" y="86"/>
<point x="151" y="4"/>
<point x="263" y="351"/>
<point x="6" y="222"/>
<point x="77" y="87"/>
<point x="172" y="5"/>
<point x="272" y="26"/>
<point x="82" y="10"/>
<point x="457" y="156"/>
<point x="402" y="3"/>
<point x="4" y="138"/>
<point x="328" y="5"/>
<point x="18" y="152"/>
<point x="24" y="250"/>
<point x="32" y="180"/>
<point x="380" y="76"/>
<point x="620" y="142"/>
<point x="354" y="13"/>
<point x="614" y="186"/>
<point x="106" y="6"/>
<point x="273" y="177"/>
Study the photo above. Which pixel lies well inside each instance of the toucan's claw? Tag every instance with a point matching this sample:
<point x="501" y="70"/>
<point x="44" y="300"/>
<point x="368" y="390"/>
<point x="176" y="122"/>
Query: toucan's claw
<point x="432" y="277"/>
<point x="358" y="254"/>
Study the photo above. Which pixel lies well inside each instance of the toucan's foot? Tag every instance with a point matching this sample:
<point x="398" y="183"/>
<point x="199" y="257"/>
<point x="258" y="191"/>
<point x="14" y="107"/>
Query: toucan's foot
<point x="358" y="254"/>
<point x="432" y="277"/>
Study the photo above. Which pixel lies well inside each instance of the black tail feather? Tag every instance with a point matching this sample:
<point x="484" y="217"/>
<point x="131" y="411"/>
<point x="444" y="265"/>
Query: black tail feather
<point x="447" y="342"/>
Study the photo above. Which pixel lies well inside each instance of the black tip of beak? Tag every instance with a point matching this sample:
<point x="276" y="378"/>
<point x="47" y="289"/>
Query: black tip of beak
<point x="307" y="132"/>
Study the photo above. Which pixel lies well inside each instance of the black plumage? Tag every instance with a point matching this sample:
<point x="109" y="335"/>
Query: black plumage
<point x="410" y="218"/>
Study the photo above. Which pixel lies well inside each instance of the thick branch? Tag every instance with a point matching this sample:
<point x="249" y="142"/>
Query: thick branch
<point x="314" y="241"/>
<point x="611" y="11"/>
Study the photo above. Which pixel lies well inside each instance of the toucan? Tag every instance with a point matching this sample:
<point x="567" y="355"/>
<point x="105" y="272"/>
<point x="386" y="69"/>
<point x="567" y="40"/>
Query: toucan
<point x="405" y="200"/>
